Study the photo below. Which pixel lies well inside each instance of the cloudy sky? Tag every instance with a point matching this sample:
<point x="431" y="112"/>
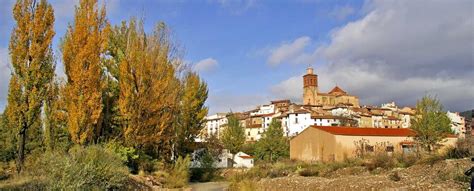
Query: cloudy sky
<point x="254" y="51"/>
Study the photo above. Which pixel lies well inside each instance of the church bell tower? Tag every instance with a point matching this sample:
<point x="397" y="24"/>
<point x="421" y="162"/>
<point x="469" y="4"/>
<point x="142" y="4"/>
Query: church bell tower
<point x="310" y="87"/>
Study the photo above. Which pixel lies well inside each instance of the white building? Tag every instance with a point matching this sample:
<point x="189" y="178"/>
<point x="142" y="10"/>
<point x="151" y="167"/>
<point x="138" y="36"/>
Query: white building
<point x="377" y="120"/>
<point x="215" y="122"/>
<point x="264" y="109"/>
<point x="242" y="160"/>
<point x="405" y="119"/>
<point x="326" y="120"/>
<point x="457" y="123"/>
<point x="341" y="110"/>
<point x="295" y="122"/>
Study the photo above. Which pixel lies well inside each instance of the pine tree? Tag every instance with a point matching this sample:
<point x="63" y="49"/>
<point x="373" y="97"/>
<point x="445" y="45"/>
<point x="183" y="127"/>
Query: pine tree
<point x="273" y="145"/>
<point x="33" y="67"/>
<point x="431" y="124"/>
<point x="83" y="45"/>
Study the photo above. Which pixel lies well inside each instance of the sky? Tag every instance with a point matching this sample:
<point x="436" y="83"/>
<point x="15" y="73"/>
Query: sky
<point x="253" y="51"/>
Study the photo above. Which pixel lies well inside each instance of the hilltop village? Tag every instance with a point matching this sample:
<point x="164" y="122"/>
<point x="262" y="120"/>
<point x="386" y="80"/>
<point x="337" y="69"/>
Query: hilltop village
<point x="334" y="108"/>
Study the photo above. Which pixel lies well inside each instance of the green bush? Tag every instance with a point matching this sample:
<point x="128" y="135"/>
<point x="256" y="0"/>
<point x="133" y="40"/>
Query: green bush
<point x="380" y="160"/>
<point x="179" y="173"/>
<point x="308" y="172"/>
<point x="207" y="170"/>
<point x="90" y="168"/>
<point x="457" y="152"/>
<point x="406" y="160"/>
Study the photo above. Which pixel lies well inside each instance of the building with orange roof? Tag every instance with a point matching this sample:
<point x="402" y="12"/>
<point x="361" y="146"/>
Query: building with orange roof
<point x="327" y="143"/>
<point x="312" y="95"/>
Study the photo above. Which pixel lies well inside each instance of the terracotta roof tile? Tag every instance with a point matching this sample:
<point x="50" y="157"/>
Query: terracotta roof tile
<point x="246" y="157"/>
<point x="404" y="132"/>
<point x="337" y="89"/>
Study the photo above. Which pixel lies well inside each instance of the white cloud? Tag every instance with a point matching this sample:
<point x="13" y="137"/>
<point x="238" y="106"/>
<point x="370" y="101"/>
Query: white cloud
<point x="206" y="65"/>
<point x="291" y="88"/>
<point x="4" y="77"/>
<point x="400" y="51"/>
<point x="288" y="52"/>
<point x="341" y="13"/>
<point x="227" y="101"/>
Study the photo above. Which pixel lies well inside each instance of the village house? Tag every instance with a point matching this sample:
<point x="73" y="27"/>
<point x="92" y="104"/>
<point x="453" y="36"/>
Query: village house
<point x="457" y="123"/>
<point x="214" y="123"/>
<point x="240" y="160"/>
<point x="326" y="143"/>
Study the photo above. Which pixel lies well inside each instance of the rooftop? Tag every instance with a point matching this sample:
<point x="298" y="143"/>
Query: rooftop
<point x="356" y="131"/>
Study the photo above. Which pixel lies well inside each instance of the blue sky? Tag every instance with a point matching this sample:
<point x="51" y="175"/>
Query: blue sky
<point x="252" y="51"/>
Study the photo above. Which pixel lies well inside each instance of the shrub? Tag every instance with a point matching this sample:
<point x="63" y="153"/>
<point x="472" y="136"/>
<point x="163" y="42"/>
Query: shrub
<point x="380" y="160"/>
<point x="394" y="176"/>
<point x="308" y="172"/>
<point x="206" y="171"/>
<point x="457" y="152"/>
<point x="179" y="173"/>
<point x="406" y="160"/>
<point x="90" y="168"/>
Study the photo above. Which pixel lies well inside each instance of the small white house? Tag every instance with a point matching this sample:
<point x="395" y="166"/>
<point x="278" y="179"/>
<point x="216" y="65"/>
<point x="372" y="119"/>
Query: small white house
<point x="242" y="160"/>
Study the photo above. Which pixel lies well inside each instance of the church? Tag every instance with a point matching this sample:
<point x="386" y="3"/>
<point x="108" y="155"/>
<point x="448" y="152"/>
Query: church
<point x="312" y="96"/>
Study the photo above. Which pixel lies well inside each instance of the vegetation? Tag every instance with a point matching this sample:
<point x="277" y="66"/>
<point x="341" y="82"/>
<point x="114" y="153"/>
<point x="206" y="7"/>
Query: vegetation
<point x="233" y="136"/>
<point x="82" y="48"/>
<point x="273" y="145"/>
<point x="431" y="124"/>
<point x="128" y="101"/>
<point x="89" y="168"/>
<point x="32" y="68"/>
<point x="179" y="173"/>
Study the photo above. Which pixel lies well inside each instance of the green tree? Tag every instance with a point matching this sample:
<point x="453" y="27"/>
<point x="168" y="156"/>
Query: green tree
<point x="431" y="123"/>
<point x="55" y="118"/>
<point x="7" y="140"/>
<point x="192" y="112"/>
<point x="33" y="67"/>
<point x="233" y="135"/>
<point x="273" y="145"/>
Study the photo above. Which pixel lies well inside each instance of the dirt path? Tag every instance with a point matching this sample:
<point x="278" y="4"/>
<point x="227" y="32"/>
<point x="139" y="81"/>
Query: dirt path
<point x="209" y="186"/>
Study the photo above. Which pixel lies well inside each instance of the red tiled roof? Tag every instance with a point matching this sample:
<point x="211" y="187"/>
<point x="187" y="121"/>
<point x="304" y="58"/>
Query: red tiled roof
<point x="337" y="90"/>
<point x="246" y="157"/>
<point x="393" y="118"/>
<point x="264" y="115"/>
<point x="255" y="126"/>
<point x="404" y="132"/>
<point x="280" y="101"/>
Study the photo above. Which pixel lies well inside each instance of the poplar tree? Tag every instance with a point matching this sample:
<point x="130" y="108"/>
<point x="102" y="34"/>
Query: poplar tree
<point x="149" y="89"/>
<point x="83" y="46"/>
<point x="192" y="112"/>
<point x="32" y="67"/>
<point x="233" y="135"/>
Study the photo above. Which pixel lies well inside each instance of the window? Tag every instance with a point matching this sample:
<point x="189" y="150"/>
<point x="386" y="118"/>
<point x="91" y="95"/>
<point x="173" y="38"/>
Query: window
<point x="248" y="133"/>
<point x="389" y="149"/>
<point x="296" y="120"/>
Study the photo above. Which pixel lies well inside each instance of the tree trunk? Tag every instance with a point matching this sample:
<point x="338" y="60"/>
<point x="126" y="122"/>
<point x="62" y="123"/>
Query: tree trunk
<point x="21" y="149"/>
